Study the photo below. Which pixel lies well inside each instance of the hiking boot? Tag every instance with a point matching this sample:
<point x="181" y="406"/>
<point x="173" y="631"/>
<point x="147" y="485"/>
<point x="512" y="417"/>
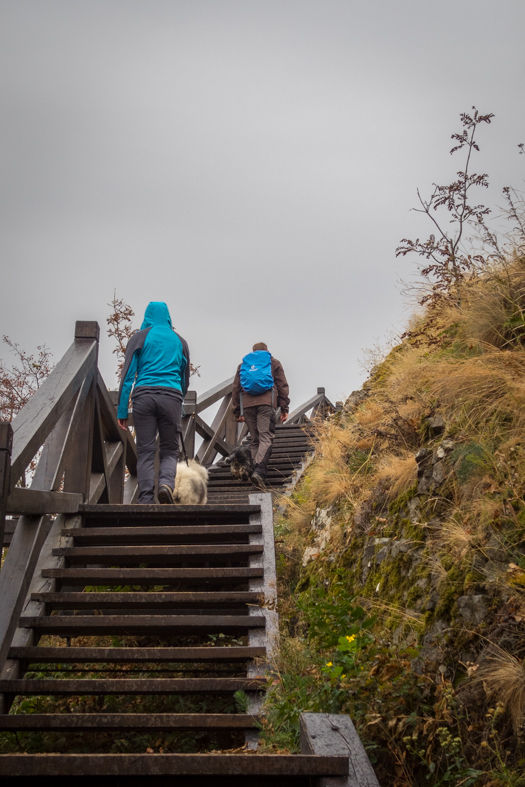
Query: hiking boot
<point x="258" y="481"/>
<point x="165" y="495"/>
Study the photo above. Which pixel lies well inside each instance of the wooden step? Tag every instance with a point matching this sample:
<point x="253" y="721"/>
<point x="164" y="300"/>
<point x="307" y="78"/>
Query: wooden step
<point x="150" y="576"/>
<point x="84" y="722"/>
<point x="93" y="686"/>
<point x="136" y="601"/>
<point x="161" y="555"/>
<point x="168" y="625"/>
<point x="199" y="765"/>
<point x="74" y="655"/>
<point x="160" y="535"/>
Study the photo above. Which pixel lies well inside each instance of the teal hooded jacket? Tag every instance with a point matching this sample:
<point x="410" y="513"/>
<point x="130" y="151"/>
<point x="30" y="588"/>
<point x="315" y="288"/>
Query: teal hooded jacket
<point x="156" y="357"/>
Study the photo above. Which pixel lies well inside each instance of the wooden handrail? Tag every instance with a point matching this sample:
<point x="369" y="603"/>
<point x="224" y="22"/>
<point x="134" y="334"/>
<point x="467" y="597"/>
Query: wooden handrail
<point x="205" y="400"/>
<point x="35" y="421"/>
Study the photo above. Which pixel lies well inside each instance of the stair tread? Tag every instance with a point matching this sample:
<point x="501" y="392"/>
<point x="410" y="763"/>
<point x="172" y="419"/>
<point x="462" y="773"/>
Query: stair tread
<point x="155" y="575"/>
<point x="101" y="600"/>
<point x="153" y="623"/>
<point x="174" y="764"/>
<point x="93" y="686"/>
<point x="154" y="532"/>
<point x="88" y="655"/>
<point x="128" y="721"/>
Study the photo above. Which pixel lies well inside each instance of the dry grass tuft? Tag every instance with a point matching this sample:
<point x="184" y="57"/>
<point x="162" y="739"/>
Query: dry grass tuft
<point x="397" y="473"/>
<point x="503" y="677"/>
<point x="457" y="538"/>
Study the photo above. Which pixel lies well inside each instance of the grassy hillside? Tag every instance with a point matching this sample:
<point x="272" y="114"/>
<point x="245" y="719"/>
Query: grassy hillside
<point x="401" y="555"/>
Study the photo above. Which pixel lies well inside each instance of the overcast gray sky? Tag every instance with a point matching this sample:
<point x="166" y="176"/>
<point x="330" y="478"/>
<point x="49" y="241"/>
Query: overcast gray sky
<point x="251" y="162"/>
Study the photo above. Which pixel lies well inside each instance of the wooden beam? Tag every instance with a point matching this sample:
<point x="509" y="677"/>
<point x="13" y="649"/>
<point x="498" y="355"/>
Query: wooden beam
<point x="334" y="735"/>
<point x="36" y="420"/>
<point x="207" y="451"/>
<point x="205" y="400"/>
<point x="78" y="458"/>
<point x="206" y="431"/>
<point x="86" y="329"/>
<point x="16" y="575"/>
<point x="266" y="585"/>
<point x="303" y="409"/>
<point x="48" y="474"/>
<point x="131" y="490"/>
<point x="31" y="502"/>
<point x="6" y="445"/>
<point x="108" y="410"/>
<point x="115" y="465"/>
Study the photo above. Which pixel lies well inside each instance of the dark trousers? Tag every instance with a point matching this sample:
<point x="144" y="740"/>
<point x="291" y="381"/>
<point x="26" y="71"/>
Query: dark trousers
<point x="260" y="420"/>
<point x="152" y="413"/>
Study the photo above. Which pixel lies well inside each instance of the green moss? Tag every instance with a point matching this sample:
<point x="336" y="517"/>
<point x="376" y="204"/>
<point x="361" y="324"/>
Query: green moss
<point x="470" y="458"/>
<point x="449" y="593"/>
<point x="401" y="502"/>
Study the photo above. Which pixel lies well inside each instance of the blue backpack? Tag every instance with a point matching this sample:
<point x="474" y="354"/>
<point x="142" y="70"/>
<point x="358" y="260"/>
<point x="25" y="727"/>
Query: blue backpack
<point x="256" y="373"/>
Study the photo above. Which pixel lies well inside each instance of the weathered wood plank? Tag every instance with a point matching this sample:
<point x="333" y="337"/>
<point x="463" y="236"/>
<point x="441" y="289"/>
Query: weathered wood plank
<point x="266" y="585"/>
<point x="36" y="502"/>
<point x="144" y="554"/>
<point x="150" y="576"/>
<point x="136" y="600"/>
<point x="207" y="432"/>
<point x="128" y="721"/>
<point x="130" y="686"/>
<point x="167" y="511"/>
<point x="79" y="625"/>
<point x="333" y="735"/>
<point x="207" y="452"/>
<point x="35" y="421"/>
<point x="120" y="765"/>
<point x="17" y="573"/>
<point x="205" y="400"/>
<point x="6" y="446"/>
<point x="162" y="534"/>
<point x="73" y="655"/>
<point x="50" y="469"/>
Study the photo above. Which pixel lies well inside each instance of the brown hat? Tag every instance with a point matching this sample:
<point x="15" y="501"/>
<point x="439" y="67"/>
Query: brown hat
<point x="259" y="346"/>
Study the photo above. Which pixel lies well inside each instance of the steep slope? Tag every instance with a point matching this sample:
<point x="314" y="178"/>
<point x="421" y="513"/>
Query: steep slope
<point x="403" y="551"/>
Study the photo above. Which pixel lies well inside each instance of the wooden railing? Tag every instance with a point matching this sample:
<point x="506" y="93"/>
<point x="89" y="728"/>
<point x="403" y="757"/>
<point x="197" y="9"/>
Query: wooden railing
<point x="70" y="428"/>
<point x="83" y="455"/>
<point x="225" y="433"/>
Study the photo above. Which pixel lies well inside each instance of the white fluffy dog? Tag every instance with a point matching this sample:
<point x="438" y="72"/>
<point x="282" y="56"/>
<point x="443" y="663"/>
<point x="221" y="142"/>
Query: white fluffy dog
<point x="191" y="484"/>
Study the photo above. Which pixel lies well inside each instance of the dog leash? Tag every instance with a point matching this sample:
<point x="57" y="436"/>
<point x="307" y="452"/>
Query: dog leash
<point x="184" y="448"/>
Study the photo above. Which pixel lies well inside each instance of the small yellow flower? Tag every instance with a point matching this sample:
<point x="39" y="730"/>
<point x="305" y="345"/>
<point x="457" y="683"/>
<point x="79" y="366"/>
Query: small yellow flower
<point x="328" y="663"/>
<point x="343" y="676"/>
<point x="351" y="639"/>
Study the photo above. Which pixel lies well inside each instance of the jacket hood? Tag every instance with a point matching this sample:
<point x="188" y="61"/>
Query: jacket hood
<point x="157" y="313"/>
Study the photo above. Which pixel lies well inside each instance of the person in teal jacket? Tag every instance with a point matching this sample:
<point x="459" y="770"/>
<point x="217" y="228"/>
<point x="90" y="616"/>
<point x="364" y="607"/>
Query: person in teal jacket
<point x="156" y="373"/>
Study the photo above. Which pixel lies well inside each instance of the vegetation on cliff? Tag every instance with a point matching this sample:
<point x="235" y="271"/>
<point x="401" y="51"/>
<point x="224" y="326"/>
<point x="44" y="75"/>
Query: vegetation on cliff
<point x="401" y="555"/>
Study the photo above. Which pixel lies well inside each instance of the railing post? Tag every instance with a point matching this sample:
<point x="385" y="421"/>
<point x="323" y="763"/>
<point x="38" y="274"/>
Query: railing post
<point x="188" y="422"/>
<point x="6" y="445"/>
<point x="78" y="467"/>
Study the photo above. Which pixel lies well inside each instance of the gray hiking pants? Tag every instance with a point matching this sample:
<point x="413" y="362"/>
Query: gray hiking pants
<point x="152" y="413"/>
<point x="260" y="421"/>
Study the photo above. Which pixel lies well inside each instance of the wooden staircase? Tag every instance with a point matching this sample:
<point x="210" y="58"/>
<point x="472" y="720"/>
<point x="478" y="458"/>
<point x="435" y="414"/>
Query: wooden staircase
<point x="136" y="641"/>
<point x="293" y="449"/>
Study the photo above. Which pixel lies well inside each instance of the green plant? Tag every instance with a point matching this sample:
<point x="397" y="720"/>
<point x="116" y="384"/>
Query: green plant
<point x="331" y="614"/>
<point x="456" y="769"/>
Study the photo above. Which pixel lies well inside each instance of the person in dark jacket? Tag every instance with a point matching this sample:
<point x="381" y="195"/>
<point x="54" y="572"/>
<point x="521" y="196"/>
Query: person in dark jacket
<point x="258" y="412"/>
<point x="157" y="368"/>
